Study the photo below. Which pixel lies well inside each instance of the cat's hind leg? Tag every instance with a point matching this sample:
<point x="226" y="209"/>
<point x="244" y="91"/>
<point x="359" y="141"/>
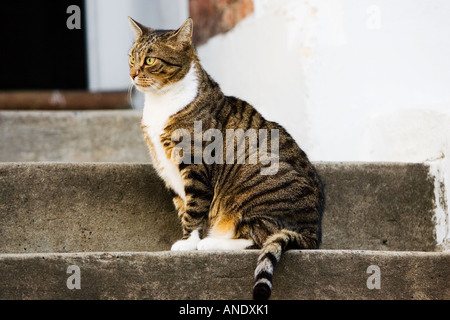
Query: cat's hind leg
<point x="222" y="236"/>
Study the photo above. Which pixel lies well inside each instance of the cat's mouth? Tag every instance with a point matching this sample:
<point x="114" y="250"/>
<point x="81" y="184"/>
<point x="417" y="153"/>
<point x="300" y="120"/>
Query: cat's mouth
<point x="144" y="83"/>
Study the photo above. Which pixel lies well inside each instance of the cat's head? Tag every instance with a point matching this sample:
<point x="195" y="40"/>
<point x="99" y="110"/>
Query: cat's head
<point x="159" y="58"/>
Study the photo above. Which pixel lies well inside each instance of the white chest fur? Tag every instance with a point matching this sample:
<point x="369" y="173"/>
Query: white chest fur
<point x="158" y="107"/>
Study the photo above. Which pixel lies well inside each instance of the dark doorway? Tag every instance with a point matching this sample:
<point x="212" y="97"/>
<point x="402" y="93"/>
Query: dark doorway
<point x="38" y="50"/>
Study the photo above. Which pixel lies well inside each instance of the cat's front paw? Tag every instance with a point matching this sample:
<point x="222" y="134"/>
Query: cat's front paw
<point x="184" y="245"/>
<point x="187" y="244"/>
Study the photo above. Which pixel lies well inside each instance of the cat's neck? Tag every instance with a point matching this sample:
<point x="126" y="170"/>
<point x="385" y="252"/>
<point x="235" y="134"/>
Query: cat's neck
<point x="159" y="105"/>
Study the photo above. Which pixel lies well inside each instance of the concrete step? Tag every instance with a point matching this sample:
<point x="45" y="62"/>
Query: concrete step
<point x="316" y="274"/>
<point x="96" y="207"/>
<point x="72" y="136"/>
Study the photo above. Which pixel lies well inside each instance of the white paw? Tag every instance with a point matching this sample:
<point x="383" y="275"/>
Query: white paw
<point x="184" y="245"/>
<point x="223" y="244"/>
<point x="209" y="244"/>
<point x="188" y="244"/>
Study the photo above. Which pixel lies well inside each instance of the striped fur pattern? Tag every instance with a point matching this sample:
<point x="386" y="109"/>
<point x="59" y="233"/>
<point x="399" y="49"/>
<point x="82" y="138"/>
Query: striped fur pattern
<point x="222" y="205"/>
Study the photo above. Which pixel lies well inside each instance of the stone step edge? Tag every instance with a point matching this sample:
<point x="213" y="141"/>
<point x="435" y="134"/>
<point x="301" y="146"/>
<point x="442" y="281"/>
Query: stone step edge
<point x="301" y="274"/>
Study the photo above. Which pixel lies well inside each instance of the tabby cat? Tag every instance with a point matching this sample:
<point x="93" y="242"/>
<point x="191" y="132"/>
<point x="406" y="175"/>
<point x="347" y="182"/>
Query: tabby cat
<point x="221" y="205"/>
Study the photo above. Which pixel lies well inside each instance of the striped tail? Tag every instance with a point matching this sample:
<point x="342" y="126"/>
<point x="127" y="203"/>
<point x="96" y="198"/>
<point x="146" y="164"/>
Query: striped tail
<point x="270" y="255"/>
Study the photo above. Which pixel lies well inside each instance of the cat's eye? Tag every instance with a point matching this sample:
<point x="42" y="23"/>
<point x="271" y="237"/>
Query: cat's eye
<point x="132" y="60"/>
<point x="150" y="60"/>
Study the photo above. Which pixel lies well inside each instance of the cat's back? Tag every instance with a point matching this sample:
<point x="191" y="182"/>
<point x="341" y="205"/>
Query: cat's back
<point x="239" y="114"/>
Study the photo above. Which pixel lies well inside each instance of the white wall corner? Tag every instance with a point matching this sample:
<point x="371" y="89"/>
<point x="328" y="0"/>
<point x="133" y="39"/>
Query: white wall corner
<point x="441" y="218"/>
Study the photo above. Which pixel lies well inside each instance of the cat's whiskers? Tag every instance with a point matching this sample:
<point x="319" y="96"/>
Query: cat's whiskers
<point x="130" y="93"/>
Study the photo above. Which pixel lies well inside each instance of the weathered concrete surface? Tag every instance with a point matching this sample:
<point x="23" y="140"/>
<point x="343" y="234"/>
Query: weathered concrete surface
<point x="320" y="274"/>
<point x="72" y="136"/>
<point x="57" y="207"/>
<point x="84" y="207"/>
<point x="378" y="206"/>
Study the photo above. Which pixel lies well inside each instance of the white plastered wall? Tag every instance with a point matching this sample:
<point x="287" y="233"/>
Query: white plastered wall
<point x="352" y="80"/>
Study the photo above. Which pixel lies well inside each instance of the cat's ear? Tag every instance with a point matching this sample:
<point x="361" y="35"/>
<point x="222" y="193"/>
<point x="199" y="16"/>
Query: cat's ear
<point x="138" y="29"/>
<point x="184" y="35"/>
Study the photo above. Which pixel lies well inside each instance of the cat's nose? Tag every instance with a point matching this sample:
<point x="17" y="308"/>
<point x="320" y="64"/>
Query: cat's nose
<point x="134" y="74"/>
